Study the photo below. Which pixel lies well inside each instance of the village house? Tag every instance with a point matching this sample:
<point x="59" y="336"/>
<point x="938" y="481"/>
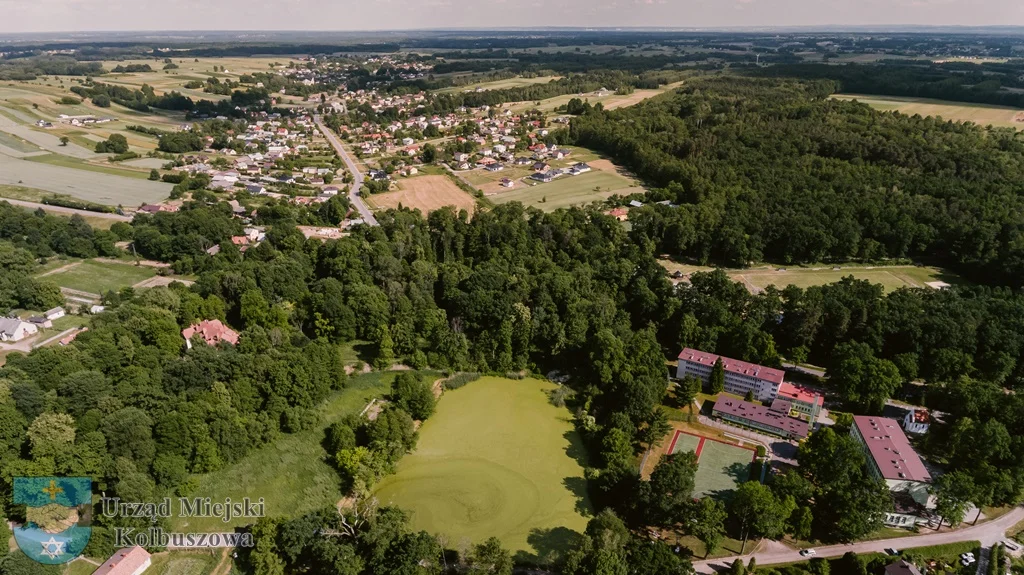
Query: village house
<point x="212" y="331"/>
<point x="128" y="561"/>
<point x="15" y="329"/>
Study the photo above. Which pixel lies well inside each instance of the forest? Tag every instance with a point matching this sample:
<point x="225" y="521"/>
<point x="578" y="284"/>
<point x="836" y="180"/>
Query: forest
<point x="774" y="170"/>
<point x="512" y="289"/>
<point x="981" y="83"/>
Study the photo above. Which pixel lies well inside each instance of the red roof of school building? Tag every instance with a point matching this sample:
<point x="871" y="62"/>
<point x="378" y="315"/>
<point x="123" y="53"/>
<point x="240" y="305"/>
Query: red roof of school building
<point x="124" y="561"/>
<point x="212" y="331"/>
<point x="891" y="449"/>
<point x="761" y="414"/>
<point x="733" y="365"/>
<point x="801" y="394"/>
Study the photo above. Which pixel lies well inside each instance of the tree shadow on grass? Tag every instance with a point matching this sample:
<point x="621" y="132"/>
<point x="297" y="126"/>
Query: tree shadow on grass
<point x="578" y="487"/>
<point x="549" y="545"/>
<point x="575" y="449"/>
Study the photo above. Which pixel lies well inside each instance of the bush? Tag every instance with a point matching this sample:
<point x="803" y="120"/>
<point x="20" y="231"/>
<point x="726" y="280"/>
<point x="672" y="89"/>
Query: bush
<point x="101" y="100"/>
<point x="761" y="451"/>
<point x="460" y="379"/>
<point x="414" y="395"/>
<point x="69" y="100"/>
<point x="115" y="144"/>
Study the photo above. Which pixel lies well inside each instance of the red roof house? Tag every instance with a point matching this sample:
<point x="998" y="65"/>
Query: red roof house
<point x="212" y="331"/>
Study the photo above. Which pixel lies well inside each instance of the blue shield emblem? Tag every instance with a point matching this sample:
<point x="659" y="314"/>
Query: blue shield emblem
<point x="58" y="513"/>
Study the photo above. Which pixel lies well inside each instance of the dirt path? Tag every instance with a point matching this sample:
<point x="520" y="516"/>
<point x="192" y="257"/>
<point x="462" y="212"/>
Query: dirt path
<point x="80" y="293"/>
<point x="61" y="269"/>
<point x="224" y="565"/>
<point x="147" y="263"/>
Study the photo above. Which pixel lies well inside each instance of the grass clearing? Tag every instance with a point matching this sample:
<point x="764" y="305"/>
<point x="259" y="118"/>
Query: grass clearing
<point x="609" y="100"/>
<point x="497" y="459"/>
<point x="427" y="193"/>
<point x="183" y="563"/>
<point x="291" y="473"/>
<point x="500" y="84"/>
<point x="981" y="114"/>
<point x="568" y="191"/>
<point x="97" y="277"/>
<point x="890" y="277"/>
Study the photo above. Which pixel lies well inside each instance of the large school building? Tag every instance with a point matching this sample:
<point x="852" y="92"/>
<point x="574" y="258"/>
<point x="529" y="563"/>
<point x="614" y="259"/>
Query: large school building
<point x="740" y="376"/>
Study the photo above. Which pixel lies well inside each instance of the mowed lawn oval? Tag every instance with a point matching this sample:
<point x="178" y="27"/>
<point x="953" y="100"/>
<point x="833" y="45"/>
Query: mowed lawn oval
<point x="496" y="459"/>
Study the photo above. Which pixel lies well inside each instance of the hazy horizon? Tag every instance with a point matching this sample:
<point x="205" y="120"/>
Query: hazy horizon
<point x="73" y="16"/>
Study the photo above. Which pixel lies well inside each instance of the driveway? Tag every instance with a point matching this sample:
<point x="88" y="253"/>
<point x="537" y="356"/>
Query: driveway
<point x="989" y="533"/>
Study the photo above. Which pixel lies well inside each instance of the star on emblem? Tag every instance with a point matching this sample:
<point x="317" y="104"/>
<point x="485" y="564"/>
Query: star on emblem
<point x="53" y="548"/>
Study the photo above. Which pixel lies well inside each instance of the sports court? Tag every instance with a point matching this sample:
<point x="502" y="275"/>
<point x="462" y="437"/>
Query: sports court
<point x="721" y="466"/>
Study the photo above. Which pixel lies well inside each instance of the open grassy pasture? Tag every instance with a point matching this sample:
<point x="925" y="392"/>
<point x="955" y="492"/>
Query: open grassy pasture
<point x="980" y="114"/>
<point x="567" y="190"/>
<point x="496" y="459"/>
<point x="760" y="277"/>
<point x="427" y="193"/>
<point x="99" y="277"/>
<point x="291" y="473"/>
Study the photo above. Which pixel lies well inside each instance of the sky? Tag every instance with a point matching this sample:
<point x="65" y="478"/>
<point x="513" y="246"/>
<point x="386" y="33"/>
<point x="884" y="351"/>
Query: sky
<point x="139" y="15"/>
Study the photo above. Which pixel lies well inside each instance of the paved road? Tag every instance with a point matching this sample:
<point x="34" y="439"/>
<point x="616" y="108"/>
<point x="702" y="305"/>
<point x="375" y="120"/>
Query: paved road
<point x="808" y="370"/>
<point x="69" y="211"/>
<point x="988" y="533"/>
<point x="357" y="176"/>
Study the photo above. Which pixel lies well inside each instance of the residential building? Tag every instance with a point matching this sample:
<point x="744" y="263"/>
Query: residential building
<point x="917" y="420"/>
<point x="55" y="313"/>
<point x="902" y="568"/>
<point x="740" y="376"/>
<point x="15" y="329"/>
<point x="213" y="331"/>
<point x="798" y="402"/>
<point x="128" y="561"/>
<point x="759" y="417"/>
<point x="891" y="458"/>
<point x="40" y="321"/>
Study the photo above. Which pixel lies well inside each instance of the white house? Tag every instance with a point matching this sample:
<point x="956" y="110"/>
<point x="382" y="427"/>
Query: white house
<point x="917" y="420"/>
<point x="14" y="329"/>
<point x="55" y="313"/>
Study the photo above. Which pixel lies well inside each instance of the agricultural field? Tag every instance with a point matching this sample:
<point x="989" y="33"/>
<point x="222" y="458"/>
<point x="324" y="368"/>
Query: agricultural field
<point x="98" y="277"/>
<point x="721" y="466"/>
<point x="64" y="175"/>
<point x="981" y="114"/>
<point x="292" y="473"/>
<point x="427" y="193"/>
<point x="568" y="191"/>
<point x="496" y="459"/>
<point x="610" y="100"/>
<point x="890" y="277"/>
<point x="500" y="84"/>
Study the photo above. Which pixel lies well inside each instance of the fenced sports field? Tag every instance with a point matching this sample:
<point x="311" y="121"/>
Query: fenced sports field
<point x="721" y="467"/>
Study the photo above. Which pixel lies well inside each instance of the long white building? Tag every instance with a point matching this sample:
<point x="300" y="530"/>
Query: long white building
<point x="740" y="376"/>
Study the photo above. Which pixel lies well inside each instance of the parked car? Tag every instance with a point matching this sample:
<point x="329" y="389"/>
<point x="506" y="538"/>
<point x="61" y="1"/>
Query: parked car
<point x="891" y="551"/>
<point x="1011" y="545"/>
<point x="808" y="553"/>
